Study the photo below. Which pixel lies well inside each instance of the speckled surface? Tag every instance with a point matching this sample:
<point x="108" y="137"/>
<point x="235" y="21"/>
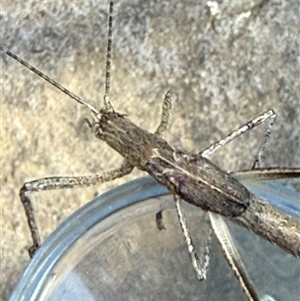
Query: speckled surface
<point x="223" y="77"/>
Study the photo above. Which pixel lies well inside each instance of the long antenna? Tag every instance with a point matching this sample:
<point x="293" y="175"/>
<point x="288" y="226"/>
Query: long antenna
<point x="107" y="104"/>
<point x="50" y="80"/>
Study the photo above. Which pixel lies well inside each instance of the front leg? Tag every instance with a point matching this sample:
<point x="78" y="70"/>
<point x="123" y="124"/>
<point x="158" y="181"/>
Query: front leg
<point x="165" y="115"/>
<point x="50" y="183"/>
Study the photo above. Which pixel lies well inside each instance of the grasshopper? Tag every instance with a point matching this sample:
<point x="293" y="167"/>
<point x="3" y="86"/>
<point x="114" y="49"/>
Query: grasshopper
<point x="193" y="178"/>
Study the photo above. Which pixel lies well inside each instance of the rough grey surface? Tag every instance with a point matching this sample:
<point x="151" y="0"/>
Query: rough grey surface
<point x="225" y="71"/>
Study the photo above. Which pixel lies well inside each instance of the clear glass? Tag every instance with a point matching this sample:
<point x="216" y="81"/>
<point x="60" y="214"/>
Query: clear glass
<point x="111" y="249"/>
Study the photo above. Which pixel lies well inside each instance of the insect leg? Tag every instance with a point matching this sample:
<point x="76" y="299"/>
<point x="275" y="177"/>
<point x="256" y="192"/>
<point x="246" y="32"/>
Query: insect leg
<point x="165" y="115"/>
<point x="266" y="139"/>
<point x="270" y="114"/>
<point x="50" y="183"/>
<point x="232" y="255"/>
<point x="200" y="269"/>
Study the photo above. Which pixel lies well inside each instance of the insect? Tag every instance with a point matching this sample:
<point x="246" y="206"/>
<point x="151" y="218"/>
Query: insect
<point x="140" y="149"/>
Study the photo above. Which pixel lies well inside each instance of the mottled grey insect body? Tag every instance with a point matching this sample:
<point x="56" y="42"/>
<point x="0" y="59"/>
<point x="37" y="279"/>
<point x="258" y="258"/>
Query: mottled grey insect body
<point x="194" y="178"/>
<point x="199" y="182"/>
<point x="190" y="177"/>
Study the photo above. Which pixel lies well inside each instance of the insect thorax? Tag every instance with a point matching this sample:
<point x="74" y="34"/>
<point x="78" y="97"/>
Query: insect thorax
<point x="130" y="141"/>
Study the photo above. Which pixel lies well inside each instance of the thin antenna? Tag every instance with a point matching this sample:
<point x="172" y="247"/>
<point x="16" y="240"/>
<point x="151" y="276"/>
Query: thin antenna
<point x="50" y="80"/>
<point x="107" y="104"/>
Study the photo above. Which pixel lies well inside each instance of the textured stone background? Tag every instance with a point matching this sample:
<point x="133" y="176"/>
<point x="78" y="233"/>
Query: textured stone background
<point x="224" y="75"/>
